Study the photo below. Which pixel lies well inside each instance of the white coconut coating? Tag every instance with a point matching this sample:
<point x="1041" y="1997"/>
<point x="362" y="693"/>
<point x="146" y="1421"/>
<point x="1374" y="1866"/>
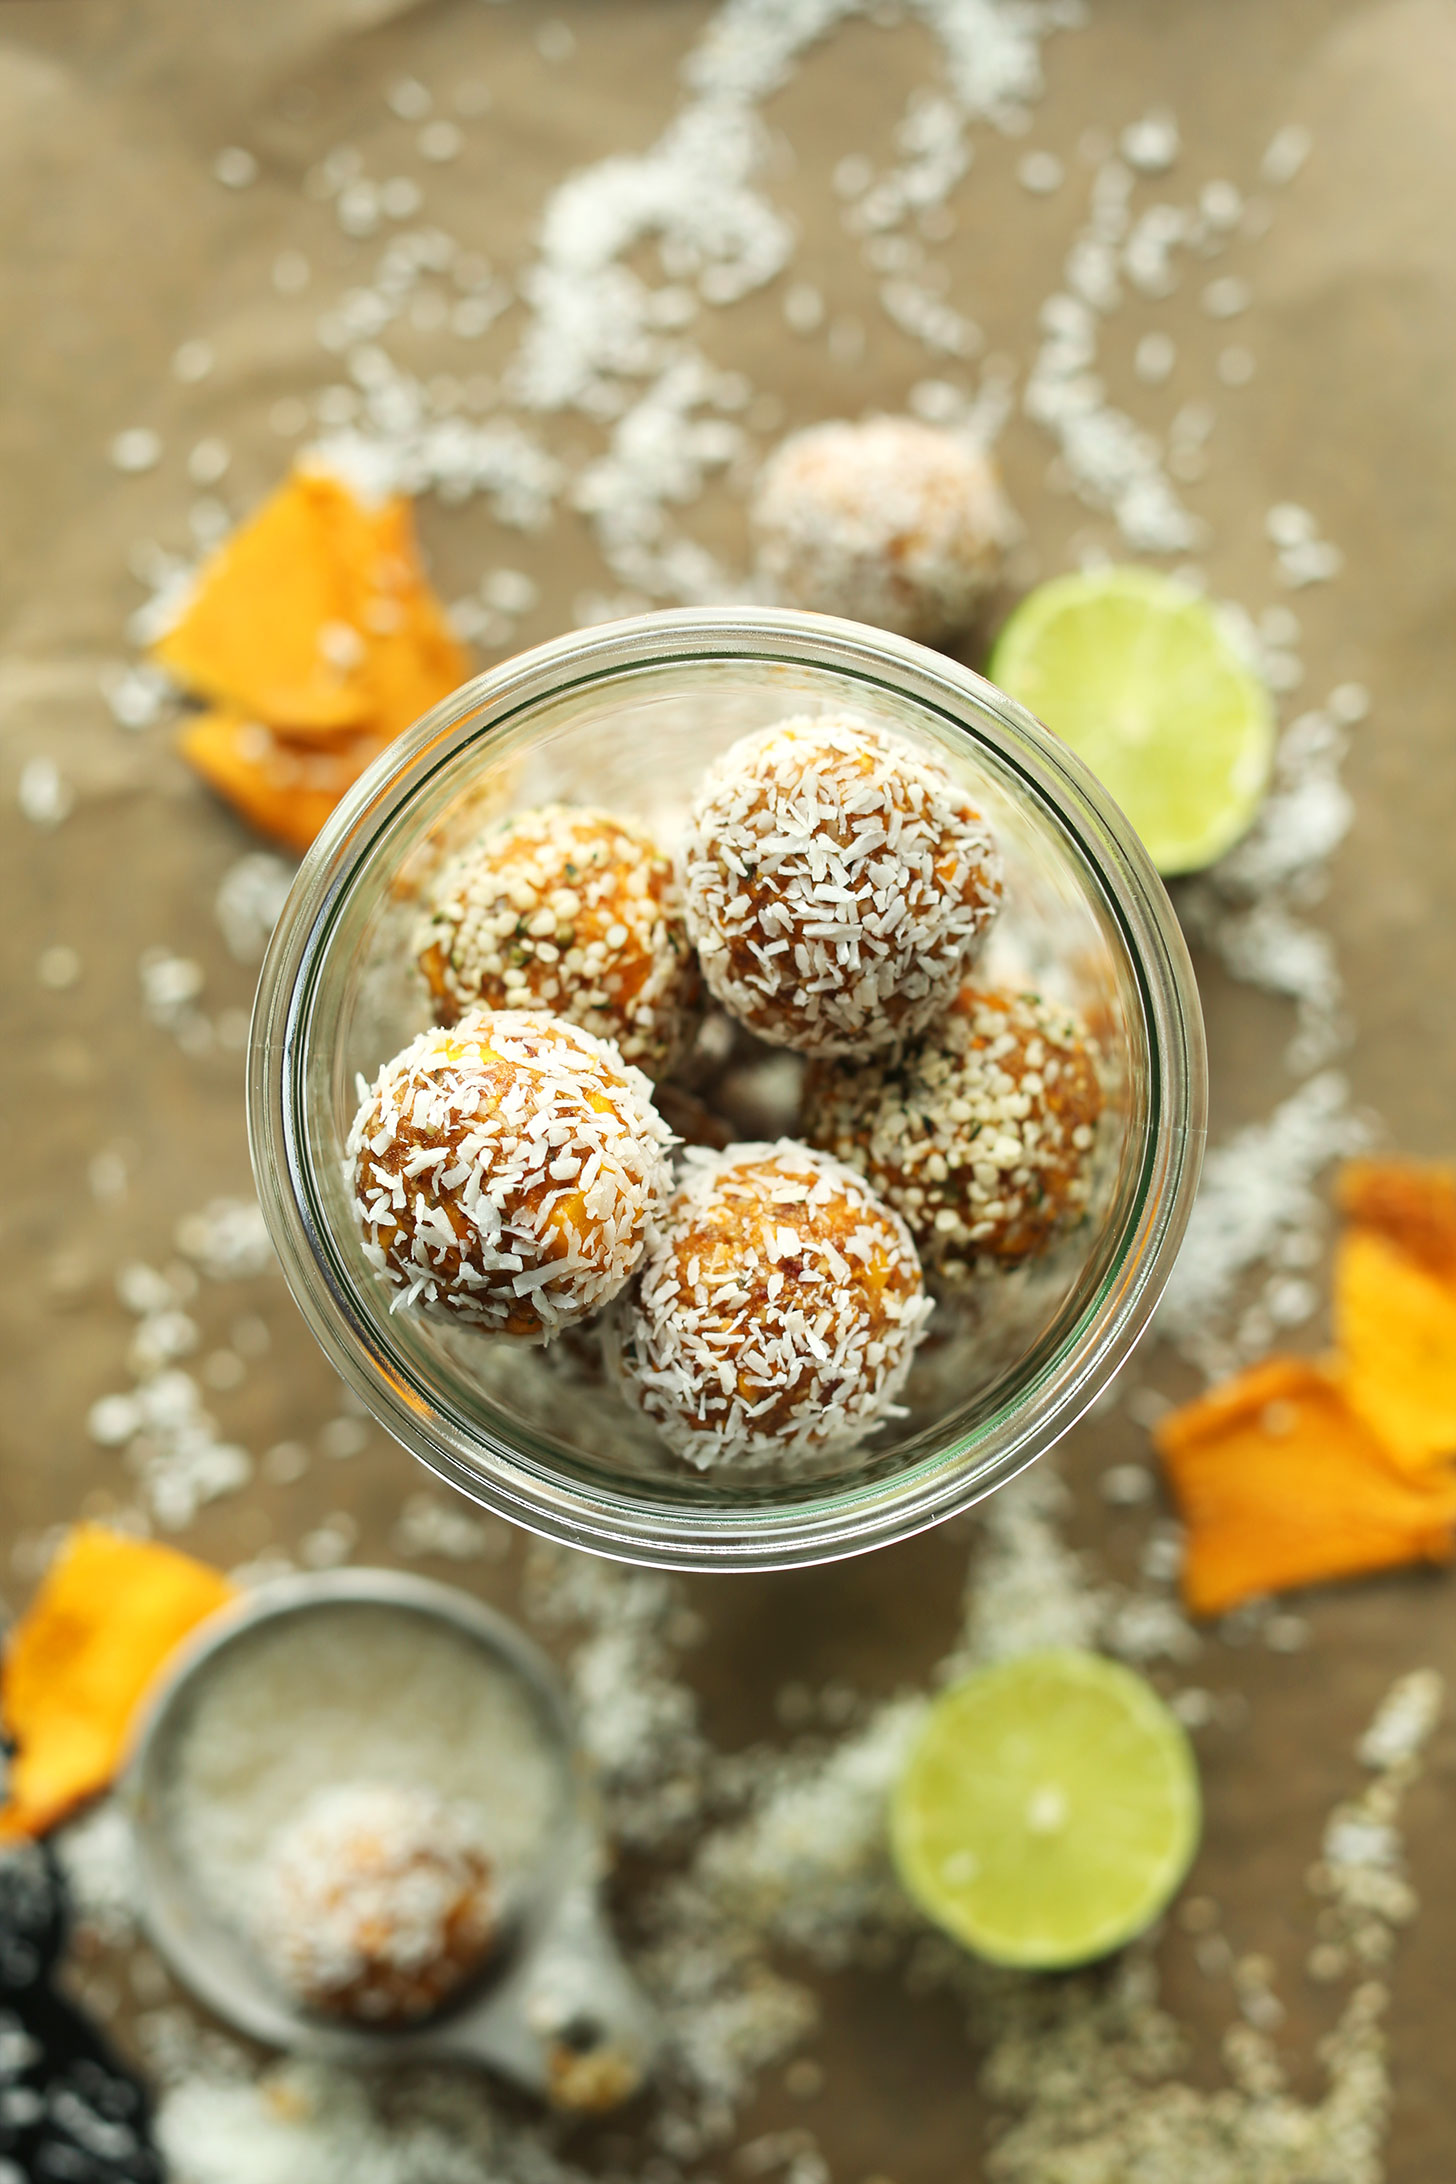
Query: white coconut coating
<point x="778" y="1311"/>
<point x="836" y="883"/>
<point x="377" y="1903"/>
<point x="981" y="1135"/>
<point x="888" y="521"/>
<point x="571" y="910"/>
<point x="504" y="1172"/>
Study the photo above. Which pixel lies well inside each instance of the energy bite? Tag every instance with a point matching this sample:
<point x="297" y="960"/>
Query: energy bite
<point x="778" y="1311"/>
<point x="836" y="884"/>
<point x="504" y="1171"/>
<point x="377" y="1903"/>
<point x="980" y="1136"/>
<point x="570" y="910"/>
<point x="888" y="521"/>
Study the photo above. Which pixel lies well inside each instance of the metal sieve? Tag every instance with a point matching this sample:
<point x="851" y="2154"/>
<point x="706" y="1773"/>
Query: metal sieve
<point x="555" y="2010"/>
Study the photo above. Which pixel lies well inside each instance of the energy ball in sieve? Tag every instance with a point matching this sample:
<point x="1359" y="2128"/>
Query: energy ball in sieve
<point x="504" y="1172"/>
<point x="980" y="1135"/>
<point x="377" y="1903"/>
<point x="779" y="1309"/>
<point x="836" y="883"/>
<point x="888" y="521"/>
<point x="570" y="910"/>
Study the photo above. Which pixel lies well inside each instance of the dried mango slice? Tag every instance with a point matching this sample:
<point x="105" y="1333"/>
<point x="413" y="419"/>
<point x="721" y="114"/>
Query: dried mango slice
<point x="1281" y="1484"/>
<point x="286" y="790"/>
<point x="1395" y="1323"/>
<point x="79" y="1662"/>
<point x="269" y="626"/>
<point x="1412" y="1202"/>
<point x="412" y="659"/>
<point x="315" y="617"/>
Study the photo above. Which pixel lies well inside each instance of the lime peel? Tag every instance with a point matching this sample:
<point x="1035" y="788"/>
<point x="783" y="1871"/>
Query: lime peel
<point x="1133" y="670"/>
<point x="1048" y="1811"/>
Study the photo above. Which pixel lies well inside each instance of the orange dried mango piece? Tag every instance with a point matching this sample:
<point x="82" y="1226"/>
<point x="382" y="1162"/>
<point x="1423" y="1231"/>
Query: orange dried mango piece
<point x="1280" y="1484"/>
<point x="286" y="790"/>
<point x="315" y="632"/>
<point x="413" y="658"/>
<point x="315" y="617"/>
<point x="1412" y="1202"/>
<point x="107" y="1615"/>
<point x="269" y="626"/>
<point x="1395" y="1323"/>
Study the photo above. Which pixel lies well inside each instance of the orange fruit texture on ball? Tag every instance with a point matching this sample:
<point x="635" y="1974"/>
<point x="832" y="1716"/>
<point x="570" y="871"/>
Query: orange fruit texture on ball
<point x="109" y="1612"/>
<point x="1281" y="1483"/>
<point x="313" y="632"/>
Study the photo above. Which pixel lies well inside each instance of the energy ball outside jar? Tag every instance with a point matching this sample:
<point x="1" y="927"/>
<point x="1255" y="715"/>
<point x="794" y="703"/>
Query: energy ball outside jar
<point x="888" y="521"/>
<point x="570" y="910"/>
<point x="836" y="884"/>
<point x="779" y="1309"/>
<point x="504" y="1172"/>
<point x="377" y="1903"/>
<point x="980" y="1136"/>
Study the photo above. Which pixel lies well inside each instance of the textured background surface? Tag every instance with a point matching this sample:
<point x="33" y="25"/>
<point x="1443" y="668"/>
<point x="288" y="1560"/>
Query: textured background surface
<point x="118" y="244"/>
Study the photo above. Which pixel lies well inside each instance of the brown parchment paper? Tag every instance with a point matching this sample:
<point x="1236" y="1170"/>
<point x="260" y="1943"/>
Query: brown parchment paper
<point x="116" y="245"/>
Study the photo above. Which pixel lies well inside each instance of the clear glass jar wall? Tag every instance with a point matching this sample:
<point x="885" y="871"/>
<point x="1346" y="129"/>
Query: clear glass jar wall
<point x="628" y="717"/>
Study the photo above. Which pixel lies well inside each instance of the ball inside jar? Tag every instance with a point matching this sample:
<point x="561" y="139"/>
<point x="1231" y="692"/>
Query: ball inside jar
<point x="377" y="1903"/>
<point x="778" y="1312"/>
<point x="887" y="521"/>
<point x="574" y="911"/>
<point x="836" y="883"/>
<point x="980" y="1135"/>
<point x="504" y="1171"/>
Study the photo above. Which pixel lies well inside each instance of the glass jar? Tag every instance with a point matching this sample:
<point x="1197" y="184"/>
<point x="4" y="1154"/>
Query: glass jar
<point x="627" y="716"/>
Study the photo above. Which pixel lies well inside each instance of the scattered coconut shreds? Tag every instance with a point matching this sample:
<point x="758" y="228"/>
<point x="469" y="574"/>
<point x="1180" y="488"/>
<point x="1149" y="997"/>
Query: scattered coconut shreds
<point x="637" y="1718"/>
<point x="169" y="1441"/>
<point x="781" y="1859"/>
<point x="97" y="1856"/>
<point x="1084" y="2070"/>
<point x="1257" y="1212"/>
<point x="1251" y="908"/>
<point x="249" y="901"/>
<point x="430" y="1527"/>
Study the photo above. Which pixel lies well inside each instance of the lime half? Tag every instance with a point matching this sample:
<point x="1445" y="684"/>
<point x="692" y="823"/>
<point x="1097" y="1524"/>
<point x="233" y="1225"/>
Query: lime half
<point x="1132" y="670"/>
<point x="1049" y="1810"/>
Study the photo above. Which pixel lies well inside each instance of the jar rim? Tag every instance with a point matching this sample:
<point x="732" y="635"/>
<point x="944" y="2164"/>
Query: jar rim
<point x="849" y="1519"/>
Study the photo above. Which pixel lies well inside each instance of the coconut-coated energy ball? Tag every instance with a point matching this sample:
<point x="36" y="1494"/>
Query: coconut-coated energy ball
<point x="836" y="883"/>
<point x="504" y="1172"/>
<point x="888" y="521"/>
<point x="377" y="1903"/>
<point x="980" y="1135"/>
<point x="574" y="911"/>
<point x="778" y="1311"/>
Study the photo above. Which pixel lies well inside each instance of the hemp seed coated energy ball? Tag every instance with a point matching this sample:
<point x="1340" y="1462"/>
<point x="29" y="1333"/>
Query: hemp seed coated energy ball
<point x="980" y="1136"/>
<point x="888" y="521"/>
<point x="505" y="1170"/>
<point x="570" y="910"/>
<point x="779" y="1308"/>
<point x="377" y="1904"/>
<point x="836" y="884"/>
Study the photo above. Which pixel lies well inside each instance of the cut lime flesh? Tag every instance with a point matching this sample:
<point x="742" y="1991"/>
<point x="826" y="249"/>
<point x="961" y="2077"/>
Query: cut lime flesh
<point x="1132" y="670"/>
<point x="1049" y="1810"/>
